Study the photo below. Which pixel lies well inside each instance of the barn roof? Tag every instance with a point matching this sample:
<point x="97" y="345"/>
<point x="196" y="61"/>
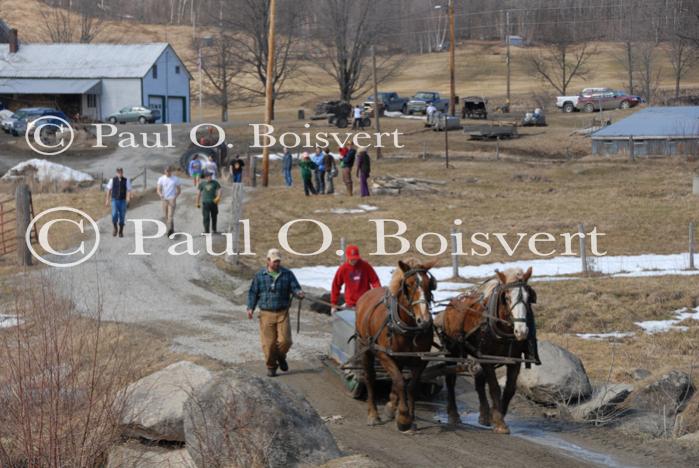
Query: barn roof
<point x="79" y="60"/>
<point x="655" y="122"/>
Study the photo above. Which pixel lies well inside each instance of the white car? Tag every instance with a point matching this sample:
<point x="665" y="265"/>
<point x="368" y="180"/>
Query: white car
<point x="6" y="117"/>
<point x="570" y="103"/>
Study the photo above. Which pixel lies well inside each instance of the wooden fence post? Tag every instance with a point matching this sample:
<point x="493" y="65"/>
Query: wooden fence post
<point x="237" y="211"/>
<point x="23" y="214"/>
<point x="583" y="252"/>
<point x="254" y="172"/>
<point x="342" y="247"/>
<point x="632" y="150"/>
<point x="691" y="245"/>
<point x="454" y="257"/>
<point x="497" y="148"/>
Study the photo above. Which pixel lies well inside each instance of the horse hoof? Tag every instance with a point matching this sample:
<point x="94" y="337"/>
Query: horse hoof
<point x="454" y="419"/>
<point x="501" y="430"/>
<point x="407" y="428"/>
<point x="484" y="420"/>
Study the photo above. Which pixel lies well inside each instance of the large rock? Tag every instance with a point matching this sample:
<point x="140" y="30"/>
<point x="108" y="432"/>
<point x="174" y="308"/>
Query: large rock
<point x="239" y="419"/>
<point x="603" y="405"/>
<point x="561" y="378"/>
<point x="153" y="408"/>
<point x="654" y="408"/>
<point x="688" y="420"/>
<point x="134" y="456"/>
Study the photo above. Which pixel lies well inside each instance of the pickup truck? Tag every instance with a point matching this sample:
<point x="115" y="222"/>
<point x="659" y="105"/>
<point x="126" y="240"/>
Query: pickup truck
<point x="418" y="103"/>
<point x="390" y="102"/>
<point x="570" y="103"/>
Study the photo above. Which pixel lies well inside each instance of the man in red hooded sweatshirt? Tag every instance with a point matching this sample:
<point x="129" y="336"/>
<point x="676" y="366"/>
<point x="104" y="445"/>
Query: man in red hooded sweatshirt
<point x="357" y="276"/>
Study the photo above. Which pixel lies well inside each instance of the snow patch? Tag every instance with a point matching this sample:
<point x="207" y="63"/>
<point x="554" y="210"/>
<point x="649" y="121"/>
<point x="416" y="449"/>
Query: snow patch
<point x="400" y="115"/>
<point x="359" y="209"/>
<point x="47" y="171"/>
<point x="8" y="321"/>
<point x="659" y="326"/>
<point x="604" y="336"/>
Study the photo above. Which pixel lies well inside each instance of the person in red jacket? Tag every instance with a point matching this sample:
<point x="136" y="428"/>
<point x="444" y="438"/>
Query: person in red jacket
<point x="357" y="276"/>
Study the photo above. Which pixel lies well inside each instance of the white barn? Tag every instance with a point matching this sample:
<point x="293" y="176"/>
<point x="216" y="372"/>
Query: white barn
<point x="95" y="80"/>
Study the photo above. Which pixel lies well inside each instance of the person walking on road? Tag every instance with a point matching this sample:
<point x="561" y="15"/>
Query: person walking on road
<point x="195" y="169"/>
<point x="271" y="290"/>
<point x="212" y="167"/>
<point x="330" y="171"/>
<point x="307" y="168"/>
<point x="287" y="162"/>
<point x="236" y="169"/>
<point x="346" y="163"/>
<point x="363" y="170"/>
<point x="169" y="188"/>
<point x="319" y="172"/>
<point x="208" y="197"/>
<point x="357" y="114"/>
<point x="119" y="192"/>
<point x="357" y="275"/>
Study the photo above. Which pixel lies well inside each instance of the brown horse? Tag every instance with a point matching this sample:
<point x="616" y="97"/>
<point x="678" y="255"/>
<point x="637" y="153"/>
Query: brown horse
<point x="491" y="321"/>
<point x="394" y="320"/>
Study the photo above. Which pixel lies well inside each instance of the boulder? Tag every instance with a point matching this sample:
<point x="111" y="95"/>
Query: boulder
<point x="238" y="419"/>
<point x="654" y="407"/>
<point x="640" y="374"/>
<point x="603" y="405"/>
<point x="561" y="378"/>
<point x="136" y="456"/>
<point x="688" y="420"/>
<point x="153" y="406"/>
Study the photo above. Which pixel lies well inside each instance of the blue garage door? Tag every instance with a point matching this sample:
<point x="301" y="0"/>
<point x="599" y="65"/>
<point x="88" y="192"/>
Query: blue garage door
<point x="156" y="103"/>
<point x="176" y="109"/>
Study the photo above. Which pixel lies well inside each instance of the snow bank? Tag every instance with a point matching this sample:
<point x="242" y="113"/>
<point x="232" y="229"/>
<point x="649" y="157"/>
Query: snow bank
<point x="659" y="326"/>
<point x="400" y="115"/>
<point x="359" y="209"/>
<point x="47" y="171"/>
<point x="8" y="321"/>
<point x="604" y="336"/>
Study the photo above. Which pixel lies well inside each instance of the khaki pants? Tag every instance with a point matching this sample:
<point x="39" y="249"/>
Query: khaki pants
<point x="169" y="212"/>
<point x="275" y="335"/>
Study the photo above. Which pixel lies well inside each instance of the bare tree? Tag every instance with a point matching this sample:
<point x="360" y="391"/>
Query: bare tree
<point x="649" y="71"/>
<point x="81" y="21"/>
<point x="682" y="56"/>
<point x="220" y="65"/>
<point x="349" y="29"/>
<point x="250" y="47"/>
<point x="559" y="63"/>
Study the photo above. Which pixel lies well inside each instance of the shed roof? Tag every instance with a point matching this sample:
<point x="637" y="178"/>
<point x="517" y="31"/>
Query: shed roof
<point x="79" y="60"/>
<point x="49" y="86"/>
<point x="655" y="122"/>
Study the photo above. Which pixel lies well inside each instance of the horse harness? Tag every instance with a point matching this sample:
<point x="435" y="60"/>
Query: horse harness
<point x="489" y="320"/>
<point x="393" y="322"/>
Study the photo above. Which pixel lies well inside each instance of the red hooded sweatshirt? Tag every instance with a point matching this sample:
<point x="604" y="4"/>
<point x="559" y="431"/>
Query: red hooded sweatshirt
<point x="357" y="279"/>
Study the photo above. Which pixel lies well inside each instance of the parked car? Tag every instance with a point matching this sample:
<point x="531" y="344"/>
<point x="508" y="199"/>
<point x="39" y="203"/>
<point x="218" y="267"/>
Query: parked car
<point x="6" y="117"/>
<point x="390" y="101"/>
<point x="138" y="114"/>
<point x="26" y="115"/>
<point x="570" y="103"/>
<point x="608" y="100"/>
<point x="418" y="103"/>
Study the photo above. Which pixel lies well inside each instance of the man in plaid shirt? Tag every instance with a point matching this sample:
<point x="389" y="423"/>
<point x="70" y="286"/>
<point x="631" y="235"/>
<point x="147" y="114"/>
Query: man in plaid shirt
<point x="271" y="290"/>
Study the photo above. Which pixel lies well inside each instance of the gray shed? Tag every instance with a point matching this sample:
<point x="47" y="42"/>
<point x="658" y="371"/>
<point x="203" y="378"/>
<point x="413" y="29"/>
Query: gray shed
<point x="663" y="131"/>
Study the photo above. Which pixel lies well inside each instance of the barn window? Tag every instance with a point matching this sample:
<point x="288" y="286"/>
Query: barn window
<point x="177" y="69"/>
<point x="155" y="72"/>
<point x="91" y="101"/>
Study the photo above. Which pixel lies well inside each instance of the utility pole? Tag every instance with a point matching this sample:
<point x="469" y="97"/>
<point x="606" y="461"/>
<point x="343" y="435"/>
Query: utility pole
<point x="376" y="98"/>
<point x="507" y="39"/>
<point x="269" y="90"/>
<point x="452" y="47"/>
<point x="201" y="79"/>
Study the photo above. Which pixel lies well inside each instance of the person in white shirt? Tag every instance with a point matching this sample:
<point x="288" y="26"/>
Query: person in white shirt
<point x="357" y="113"/>
<point x="212" y="167"/>
<point x="169" y="188"/>
<point x="430" y="109"/>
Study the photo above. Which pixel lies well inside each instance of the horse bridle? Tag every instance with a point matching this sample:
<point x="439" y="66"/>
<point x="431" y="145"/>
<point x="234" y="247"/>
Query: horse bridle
<point x="400" y="324"/>
<point x="494" y="302"/>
